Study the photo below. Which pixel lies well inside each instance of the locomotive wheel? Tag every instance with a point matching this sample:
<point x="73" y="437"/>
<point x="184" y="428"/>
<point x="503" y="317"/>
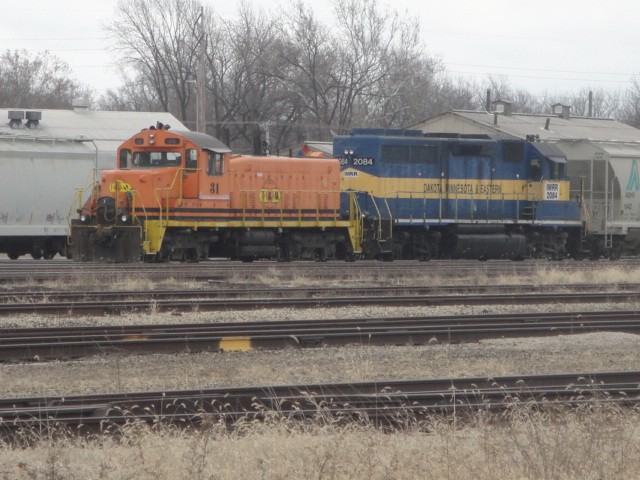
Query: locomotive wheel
<point x="425" y="257"/>
<point x="284" y="253"/>
<point x="320" y="255"/>
<point x="13" y="255"/>
<point x="387" y="257"/>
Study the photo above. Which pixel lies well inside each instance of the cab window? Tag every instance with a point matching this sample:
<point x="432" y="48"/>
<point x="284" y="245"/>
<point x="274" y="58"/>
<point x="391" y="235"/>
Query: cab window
<point x="557" y="171"/>
<point x="156" y="159"/>
<point x="215" y="164"/>
<point x="125" y="158"/>
<point x="535" y="170"/>
<point x="192" y="159"/>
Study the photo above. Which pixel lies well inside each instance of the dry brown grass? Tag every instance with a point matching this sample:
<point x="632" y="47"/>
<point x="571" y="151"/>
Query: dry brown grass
<point x="593" y="443"/>
<point x="543" y="275"/>
<point x="604" y="275"/>
<point x="111" y="281"/>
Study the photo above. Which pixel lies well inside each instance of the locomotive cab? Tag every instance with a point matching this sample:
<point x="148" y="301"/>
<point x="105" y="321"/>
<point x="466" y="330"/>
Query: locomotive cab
<point x="158" y="172"/>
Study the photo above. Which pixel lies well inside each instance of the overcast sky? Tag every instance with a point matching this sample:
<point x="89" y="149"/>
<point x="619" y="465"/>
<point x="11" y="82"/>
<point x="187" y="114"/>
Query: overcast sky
<point x="557" y="46"/>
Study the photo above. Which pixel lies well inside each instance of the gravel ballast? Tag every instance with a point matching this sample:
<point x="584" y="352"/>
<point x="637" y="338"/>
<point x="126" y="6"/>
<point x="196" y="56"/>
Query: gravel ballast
<point x="574" y="353"/>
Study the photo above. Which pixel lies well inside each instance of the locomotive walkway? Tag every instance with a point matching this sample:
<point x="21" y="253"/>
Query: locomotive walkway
<point x="393" y="403"/>
<point x="39" y="344"/>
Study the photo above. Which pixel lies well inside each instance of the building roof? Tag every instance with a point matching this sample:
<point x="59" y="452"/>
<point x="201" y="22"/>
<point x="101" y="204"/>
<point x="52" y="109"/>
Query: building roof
<point x="86" y="124"/>
<point x="521" y="125"/>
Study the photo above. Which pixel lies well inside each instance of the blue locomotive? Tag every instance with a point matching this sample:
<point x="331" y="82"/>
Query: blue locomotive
<point x="458" y="196"/>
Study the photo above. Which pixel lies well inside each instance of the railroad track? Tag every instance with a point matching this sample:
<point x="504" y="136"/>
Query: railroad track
<point x="109" y="306"/>
<point x="388" y="403"/>
<point x="31" y="296"/>
<point x="29" y="344"/>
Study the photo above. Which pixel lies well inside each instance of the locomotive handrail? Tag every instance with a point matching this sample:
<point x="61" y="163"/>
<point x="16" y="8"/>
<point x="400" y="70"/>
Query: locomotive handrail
<point x="77" y="201"/>
<point x="356" y="219"/>
<point x="94" y="185"/>
<point x="134" y="215"/>
<point x="90" y="183"/>
<point x="178" y="174"/>
<point x="453" y="206"/>
<point x="245" y="195"/>
<point x="386" y="203"/>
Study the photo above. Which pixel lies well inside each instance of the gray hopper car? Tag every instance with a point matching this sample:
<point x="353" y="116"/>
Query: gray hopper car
<point x="607" y="176"/>
<point x="39" y="179"/>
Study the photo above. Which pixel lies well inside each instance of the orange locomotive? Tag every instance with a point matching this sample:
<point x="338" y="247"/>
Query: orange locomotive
<point x="184" y="196"/>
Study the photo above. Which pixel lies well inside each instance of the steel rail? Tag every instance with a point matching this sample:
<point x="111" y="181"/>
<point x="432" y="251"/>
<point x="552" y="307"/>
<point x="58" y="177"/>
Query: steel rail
<point x="110" y="307"/>
<point x="389" y="403"/>
<point x="28" y="344"/>
<point x="36" y="296"/>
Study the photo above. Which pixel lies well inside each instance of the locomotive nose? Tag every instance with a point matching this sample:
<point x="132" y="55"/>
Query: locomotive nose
<point x="106" y="210"/>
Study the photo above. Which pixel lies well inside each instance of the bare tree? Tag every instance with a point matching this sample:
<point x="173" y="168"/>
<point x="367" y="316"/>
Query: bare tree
<point x="135" y="95"/>
<point x="605" y="104"/>
<point x="160" y="44"/>
<point x="242" y="91"/>
<point x="39" y="81"/>
<point x="308" y="59"/>
<point x="630" y="113"/>
<point x="349" y="73"/>
<point x="300" y="78"/>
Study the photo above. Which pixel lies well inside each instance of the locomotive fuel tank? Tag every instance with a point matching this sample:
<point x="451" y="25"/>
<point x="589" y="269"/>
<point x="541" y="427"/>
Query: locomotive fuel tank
<point x="489" y="246"/>
<point x="486" y="242"/>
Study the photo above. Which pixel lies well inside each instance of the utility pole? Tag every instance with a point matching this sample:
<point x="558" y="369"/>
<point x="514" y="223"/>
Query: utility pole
<point x="201" y="121"/>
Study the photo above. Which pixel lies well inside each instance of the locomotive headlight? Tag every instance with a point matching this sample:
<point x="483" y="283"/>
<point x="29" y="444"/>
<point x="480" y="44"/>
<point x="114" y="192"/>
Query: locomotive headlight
<point x="124" y="218"/>
<point x="348" y="151"/>
<point x="84" y="218"/>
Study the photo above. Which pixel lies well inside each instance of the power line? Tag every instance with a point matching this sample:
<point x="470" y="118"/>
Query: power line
<point x="541" y="38"/>
<point x="537" y="69"/>
<point x="599" y="80"/>
<point x="51" y="39"/>
<point x="55" y="10"/>
<point x="62" y="50"/>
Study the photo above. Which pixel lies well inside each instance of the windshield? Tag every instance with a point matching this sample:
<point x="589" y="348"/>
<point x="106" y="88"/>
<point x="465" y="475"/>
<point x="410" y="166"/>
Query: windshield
<point x="156" y="159"/>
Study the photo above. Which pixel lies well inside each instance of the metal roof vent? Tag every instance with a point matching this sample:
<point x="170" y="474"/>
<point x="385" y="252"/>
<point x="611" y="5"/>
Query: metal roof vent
<point x="33" y="118"/>
<point x="15" y="118"/>
<point x="80" y="105"/>
<point x="561" y="110"/>
<point x="502" y="106"/>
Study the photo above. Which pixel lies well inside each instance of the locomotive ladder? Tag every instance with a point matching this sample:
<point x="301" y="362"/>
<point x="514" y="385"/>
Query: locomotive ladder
<point x="608" y="241"/>
<point x="384" y="228"/>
